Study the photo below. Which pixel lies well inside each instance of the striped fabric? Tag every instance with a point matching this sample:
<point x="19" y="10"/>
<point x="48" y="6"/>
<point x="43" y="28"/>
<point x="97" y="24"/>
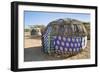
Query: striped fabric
<point x="46" y="41"/>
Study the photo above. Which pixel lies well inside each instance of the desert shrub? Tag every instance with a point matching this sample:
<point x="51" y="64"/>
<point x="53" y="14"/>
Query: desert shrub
<point x="26" y="30"/>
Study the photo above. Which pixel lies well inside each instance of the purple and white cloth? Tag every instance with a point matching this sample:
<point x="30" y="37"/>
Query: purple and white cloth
<point x="69" y="44"/>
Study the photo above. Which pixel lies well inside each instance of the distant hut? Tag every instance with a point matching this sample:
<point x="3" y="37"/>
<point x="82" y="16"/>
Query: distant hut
<point x="64" y="37"/>
<point x="36" y="31"/>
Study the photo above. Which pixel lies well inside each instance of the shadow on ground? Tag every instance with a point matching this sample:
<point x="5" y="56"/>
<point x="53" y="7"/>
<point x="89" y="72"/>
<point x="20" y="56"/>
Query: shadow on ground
<point x="36" y="54"/>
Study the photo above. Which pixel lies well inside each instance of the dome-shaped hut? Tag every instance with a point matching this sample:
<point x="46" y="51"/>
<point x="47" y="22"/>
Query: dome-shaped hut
<point x="35" y="31"/>
<point x="64" y="36"/>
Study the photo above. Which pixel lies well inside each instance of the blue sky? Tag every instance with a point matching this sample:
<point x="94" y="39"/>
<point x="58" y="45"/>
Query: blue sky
<point x="37" y="18"/>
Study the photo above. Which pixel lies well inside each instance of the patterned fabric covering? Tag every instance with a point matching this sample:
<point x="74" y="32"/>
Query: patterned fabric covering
<point x="69" y="44"/>
<point x="60" y="44"/>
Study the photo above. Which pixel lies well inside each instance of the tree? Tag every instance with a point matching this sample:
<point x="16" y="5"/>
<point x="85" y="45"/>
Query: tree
<point x="37" y="26"/>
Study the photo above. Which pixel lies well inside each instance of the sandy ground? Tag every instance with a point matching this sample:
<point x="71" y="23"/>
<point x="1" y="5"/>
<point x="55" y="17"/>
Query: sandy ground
<point x="33" y="51"/>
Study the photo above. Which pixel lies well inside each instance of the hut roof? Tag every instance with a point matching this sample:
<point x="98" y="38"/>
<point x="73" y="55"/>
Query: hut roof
<point x="67" y="27"/>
